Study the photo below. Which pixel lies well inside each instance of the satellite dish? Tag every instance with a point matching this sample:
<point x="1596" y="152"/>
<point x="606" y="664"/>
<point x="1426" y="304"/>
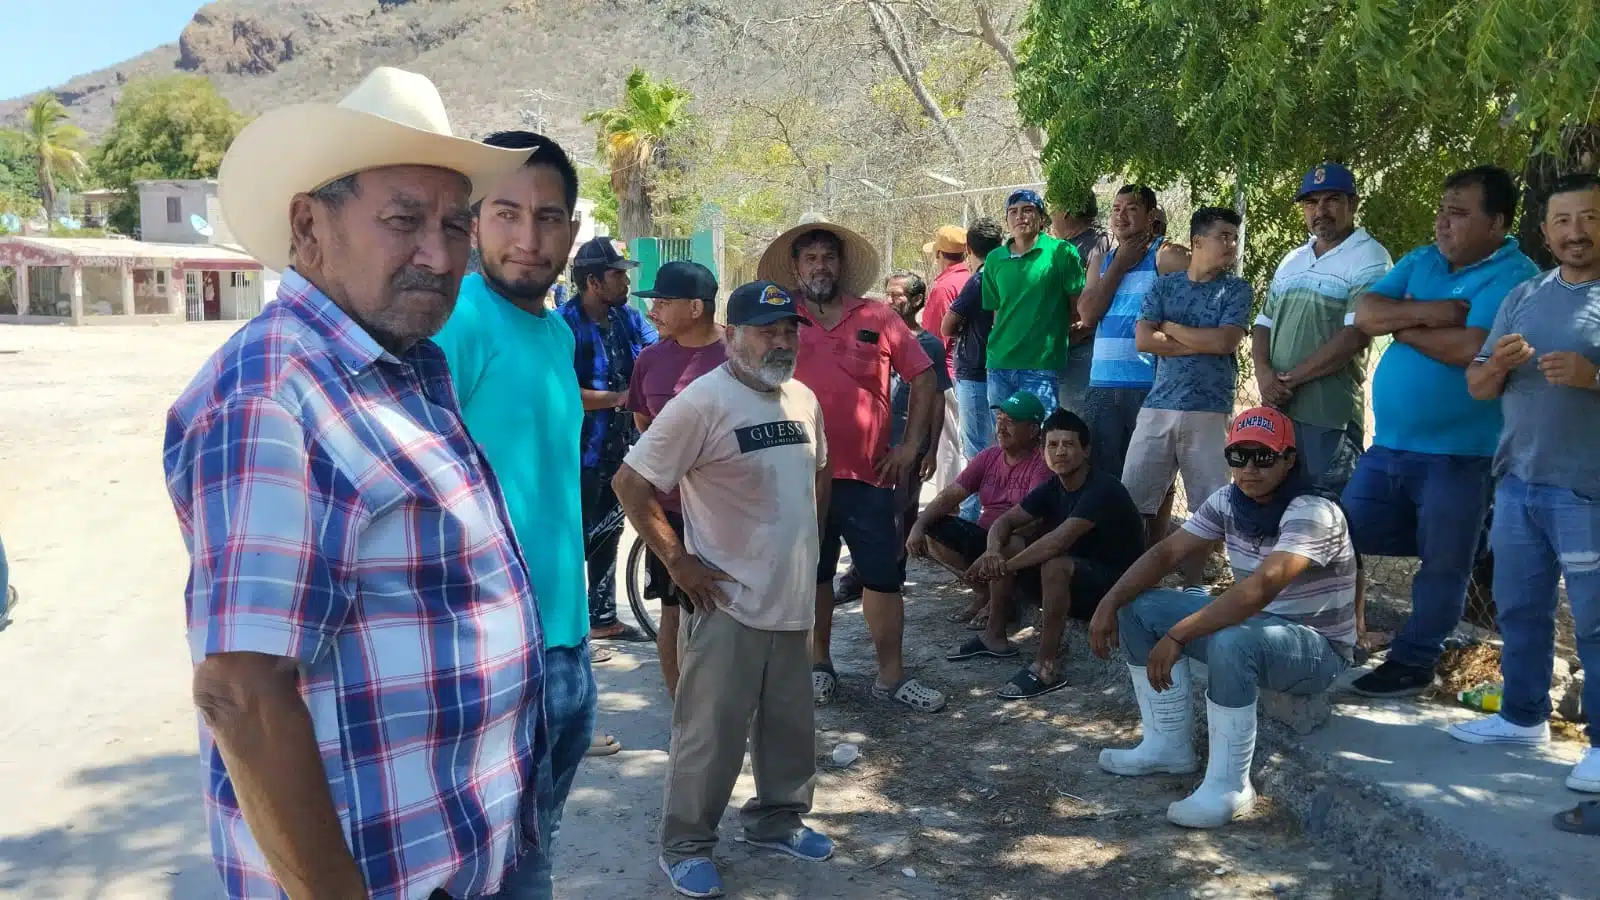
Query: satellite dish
<point x="10" y="222"/>
<point x="201" y="226"/>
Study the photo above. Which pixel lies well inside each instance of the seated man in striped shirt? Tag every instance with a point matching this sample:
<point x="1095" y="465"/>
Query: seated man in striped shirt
<point x="1287" y="624"/>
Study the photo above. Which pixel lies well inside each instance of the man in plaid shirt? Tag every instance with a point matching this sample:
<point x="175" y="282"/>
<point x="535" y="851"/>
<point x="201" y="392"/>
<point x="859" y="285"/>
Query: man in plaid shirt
<point x="368" y="657"/>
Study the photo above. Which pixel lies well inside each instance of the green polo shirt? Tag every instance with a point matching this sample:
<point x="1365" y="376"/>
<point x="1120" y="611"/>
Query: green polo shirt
<point x="1031" y="296"/>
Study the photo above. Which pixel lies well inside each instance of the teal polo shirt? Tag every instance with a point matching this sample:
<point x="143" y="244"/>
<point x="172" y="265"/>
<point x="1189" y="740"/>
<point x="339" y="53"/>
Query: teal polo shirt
<point x="1421" y="404"/>
<point x="519" y="399"/>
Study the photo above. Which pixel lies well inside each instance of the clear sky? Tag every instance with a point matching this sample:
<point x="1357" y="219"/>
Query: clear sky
<point x="45" y="42"/>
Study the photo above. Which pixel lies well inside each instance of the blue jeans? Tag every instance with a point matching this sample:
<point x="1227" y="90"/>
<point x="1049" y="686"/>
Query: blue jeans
<point x="1430" y="506"/>
<point x="1263" y="651"/>
<point x="5" y="580"/>
<point x="569" y="708"/>
<point x="1039" y="382"/>
<point x="1539" y="534"/>
<point x="977" y="432"/>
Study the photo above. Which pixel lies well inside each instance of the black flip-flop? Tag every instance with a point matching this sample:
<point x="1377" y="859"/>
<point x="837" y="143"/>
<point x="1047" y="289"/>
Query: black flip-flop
<point x="1581" y="819"/>
<point x="1025" y="686"/>
<point x="975" y="647"/>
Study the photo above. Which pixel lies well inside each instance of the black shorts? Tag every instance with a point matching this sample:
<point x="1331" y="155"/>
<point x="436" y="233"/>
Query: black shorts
<point x="658" y="584"/>
<point x="865" y="518"/>
<point x="1090" y="579"/>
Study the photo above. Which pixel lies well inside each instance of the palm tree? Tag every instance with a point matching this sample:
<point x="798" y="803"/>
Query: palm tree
<point x="633" y="139"/>
<point x="54" y="144"/>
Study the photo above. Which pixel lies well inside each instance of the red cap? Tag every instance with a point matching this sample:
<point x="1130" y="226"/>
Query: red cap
<point x="1262" y="425"/>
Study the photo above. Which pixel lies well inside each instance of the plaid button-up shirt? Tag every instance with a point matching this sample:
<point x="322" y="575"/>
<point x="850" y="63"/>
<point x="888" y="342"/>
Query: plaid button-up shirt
<point x="337" y="513"/>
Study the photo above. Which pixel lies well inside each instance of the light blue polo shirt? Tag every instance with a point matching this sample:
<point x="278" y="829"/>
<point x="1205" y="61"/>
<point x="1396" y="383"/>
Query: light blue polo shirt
<point x="1421" y="404"/>
<point x="519" y="398"/>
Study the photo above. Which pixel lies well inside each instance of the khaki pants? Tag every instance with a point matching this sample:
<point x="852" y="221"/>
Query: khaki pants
<point x="737" y="683"/>
<point x="1167" y="443"/>
<point x="949" y="456"/>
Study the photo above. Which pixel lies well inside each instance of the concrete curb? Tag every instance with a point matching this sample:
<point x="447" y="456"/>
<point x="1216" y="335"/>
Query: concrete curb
<point x="1413" y="855"/>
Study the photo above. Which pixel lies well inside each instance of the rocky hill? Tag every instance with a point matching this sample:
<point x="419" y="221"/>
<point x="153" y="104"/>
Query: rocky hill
<point x="483" y="54"/>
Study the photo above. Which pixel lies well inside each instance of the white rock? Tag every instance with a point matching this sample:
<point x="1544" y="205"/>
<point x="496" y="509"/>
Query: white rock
<point x="845" y="754"/>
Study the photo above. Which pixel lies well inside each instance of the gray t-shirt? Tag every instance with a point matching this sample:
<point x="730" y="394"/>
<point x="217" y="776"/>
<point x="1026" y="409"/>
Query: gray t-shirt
<point x="1550" y="430"/>
<point x="1204" y="382"/>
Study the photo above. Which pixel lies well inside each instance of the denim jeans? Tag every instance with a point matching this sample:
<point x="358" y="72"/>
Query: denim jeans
<point x="1541" y="533"/>
<point x="1263" y="651"/>
<point x="602" y="532"/>
<point x="5" y="580"/>
<point x="1431" y="506"/>
<point x="569" y="709"/>
<point x="977" y="431"/>
<point x="1039" y="382"/>
<point x="1072" y="388"/>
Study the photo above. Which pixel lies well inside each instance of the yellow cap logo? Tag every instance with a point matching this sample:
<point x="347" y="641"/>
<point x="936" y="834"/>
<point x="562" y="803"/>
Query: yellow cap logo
<point x="774" y="296"/>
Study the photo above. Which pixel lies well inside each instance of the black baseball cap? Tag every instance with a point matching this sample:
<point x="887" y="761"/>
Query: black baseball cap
<point x="683" y="280"/>
<point x="762" y="303"/>
<point x="602" y="253"/>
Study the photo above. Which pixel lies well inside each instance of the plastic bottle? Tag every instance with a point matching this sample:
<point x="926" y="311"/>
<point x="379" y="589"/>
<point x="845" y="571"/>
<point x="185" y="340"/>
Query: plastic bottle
<point x="1485" y="697"/>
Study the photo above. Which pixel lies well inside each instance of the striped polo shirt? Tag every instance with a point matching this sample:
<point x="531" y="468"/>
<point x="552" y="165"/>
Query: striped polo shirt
<point x="1117" y="362"/>
<point x="1323" y="597"/>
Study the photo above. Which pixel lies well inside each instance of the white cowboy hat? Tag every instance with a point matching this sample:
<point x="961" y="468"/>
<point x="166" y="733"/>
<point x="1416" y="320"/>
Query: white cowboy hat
<point x="861" y="265"/>
<point x="392" y="118"/>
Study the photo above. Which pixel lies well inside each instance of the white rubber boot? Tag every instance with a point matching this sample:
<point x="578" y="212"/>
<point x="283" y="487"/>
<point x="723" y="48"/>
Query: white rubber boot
<point x="1225" y="794"/>
<point x="1168" y="721"/>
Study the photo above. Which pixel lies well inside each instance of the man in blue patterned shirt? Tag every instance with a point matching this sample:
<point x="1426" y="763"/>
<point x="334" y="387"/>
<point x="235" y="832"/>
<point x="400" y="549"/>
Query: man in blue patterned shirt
<point x="609" y="335"/>
<point x="368" y="658"/>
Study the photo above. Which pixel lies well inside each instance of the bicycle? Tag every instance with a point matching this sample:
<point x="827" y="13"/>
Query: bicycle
<point x="636" y="577"/>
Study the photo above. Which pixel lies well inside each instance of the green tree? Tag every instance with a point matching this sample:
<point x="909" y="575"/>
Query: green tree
<point x="54" y="147"/>
<point x="594" y="184"/>
<point x="19" y="176"/>
<point x="635" y="141"/>
<point x="1240" y="98"/>
<point x="176" y="126"/>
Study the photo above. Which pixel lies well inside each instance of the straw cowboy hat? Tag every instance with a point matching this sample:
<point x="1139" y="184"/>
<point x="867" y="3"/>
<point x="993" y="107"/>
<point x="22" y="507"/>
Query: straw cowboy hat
<point x="392" y="118"/>
<point x="861" y="265"/>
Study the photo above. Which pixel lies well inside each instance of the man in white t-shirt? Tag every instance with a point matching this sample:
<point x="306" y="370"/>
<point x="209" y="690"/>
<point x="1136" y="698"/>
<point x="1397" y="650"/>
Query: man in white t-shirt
<point x="1287" y="624"/>
<point x="736" y="443"/>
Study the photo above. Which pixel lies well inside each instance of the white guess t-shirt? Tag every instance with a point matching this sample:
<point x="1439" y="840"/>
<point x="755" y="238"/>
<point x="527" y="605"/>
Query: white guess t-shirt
<point x="745" y="462"/>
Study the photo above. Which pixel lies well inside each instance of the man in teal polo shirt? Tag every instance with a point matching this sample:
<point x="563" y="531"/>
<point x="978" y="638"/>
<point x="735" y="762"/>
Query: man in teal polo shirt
<point x="1031" y="283"/>
<point x="1423" y="488"/>
<point x="511" y="361"/>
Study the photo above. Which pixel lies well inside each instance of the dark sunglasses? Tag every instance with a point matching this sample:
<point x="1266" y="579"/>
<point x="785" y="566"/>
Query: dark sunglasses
<point x="1239" y="457"/>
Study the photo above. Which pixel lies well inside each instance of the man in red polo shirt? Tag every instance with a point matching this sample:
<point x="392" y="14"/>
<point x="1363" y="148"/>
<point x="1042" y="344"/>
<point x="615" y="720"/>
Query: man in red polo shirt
<point x="846" y="361"/>
<point x="949" y="248"/>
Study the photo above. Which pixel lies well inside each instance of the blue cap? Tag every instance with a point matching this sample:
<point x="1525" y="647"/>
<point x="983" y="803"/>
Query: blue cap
<point x="762" y="303"/>
<point x="1328" y="176"/>
<point x="1027" y="196"/>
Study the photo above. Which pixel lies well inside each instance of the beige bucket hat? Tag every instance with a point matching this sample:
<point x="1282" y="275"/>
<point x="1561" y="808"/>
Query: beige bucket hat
<point x="392" y="118"/>
<point x="861" y="265"/>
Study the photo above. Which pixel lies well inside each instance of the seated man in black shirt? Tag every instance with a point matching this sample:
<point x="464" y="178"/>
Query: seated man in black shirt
<point x="1091" y="532"/>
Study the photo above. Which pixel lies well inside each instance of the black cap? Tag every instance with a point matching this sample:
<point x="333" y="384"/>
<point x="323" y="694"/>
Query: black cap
<point x="761" y="303"/>
<point x="683" y="280"/>
<point x="602" y="253"/>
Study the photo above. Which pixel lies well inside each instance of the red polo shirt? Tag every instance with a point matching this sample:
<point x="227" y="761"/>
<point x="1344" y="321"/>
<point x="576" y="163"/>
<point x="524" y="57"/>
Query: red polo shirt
<point x="946" y="288"/>
<point x="848" y="367"/>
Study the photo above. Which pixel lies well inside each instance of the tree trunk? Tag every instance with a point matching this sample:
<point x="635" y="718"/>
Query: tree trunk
<point x="634" y="216"/>
<point x="991" y="36"/>
<point x="1579" y="151"/>
<point x="47" y="193"/>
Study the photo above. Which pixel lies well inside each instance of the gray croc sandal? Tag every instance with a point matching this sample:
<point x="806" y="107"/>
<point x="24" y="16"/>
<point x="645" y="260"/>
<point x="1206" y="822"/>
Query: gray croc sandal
<point x="912" y="694"/>
<point x="824" y="681"/>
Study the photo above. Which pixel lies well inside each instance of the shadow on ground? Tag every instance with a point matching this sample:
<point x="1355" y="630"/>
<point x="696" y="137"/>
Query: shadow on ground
<point x="141" y="835"/>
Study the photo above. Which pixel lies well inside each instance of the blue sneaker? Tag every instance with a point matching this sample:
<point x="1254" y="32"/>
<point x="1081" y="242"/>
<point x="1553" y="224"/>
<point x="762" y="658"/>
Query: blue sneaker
<point x="803" y="844"/>
<point x="693" y="877"/>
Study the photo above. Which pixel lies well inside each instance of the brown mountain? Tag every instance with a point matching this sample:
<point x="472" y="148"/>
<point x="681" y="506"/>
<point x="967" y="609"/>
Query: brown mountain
<point x="483" y="54"/>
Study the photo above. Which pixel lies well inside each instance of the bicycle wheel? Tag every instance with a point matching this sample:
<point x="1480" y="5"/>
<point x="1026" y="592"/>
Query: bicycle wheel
<point x="637" y="577"/>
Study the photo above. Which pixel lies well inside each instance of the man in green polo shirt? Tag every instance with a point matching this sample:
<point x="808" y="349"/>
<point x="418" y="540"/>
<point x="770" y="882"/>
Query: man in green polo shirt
<point x="1031" y="283"/>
